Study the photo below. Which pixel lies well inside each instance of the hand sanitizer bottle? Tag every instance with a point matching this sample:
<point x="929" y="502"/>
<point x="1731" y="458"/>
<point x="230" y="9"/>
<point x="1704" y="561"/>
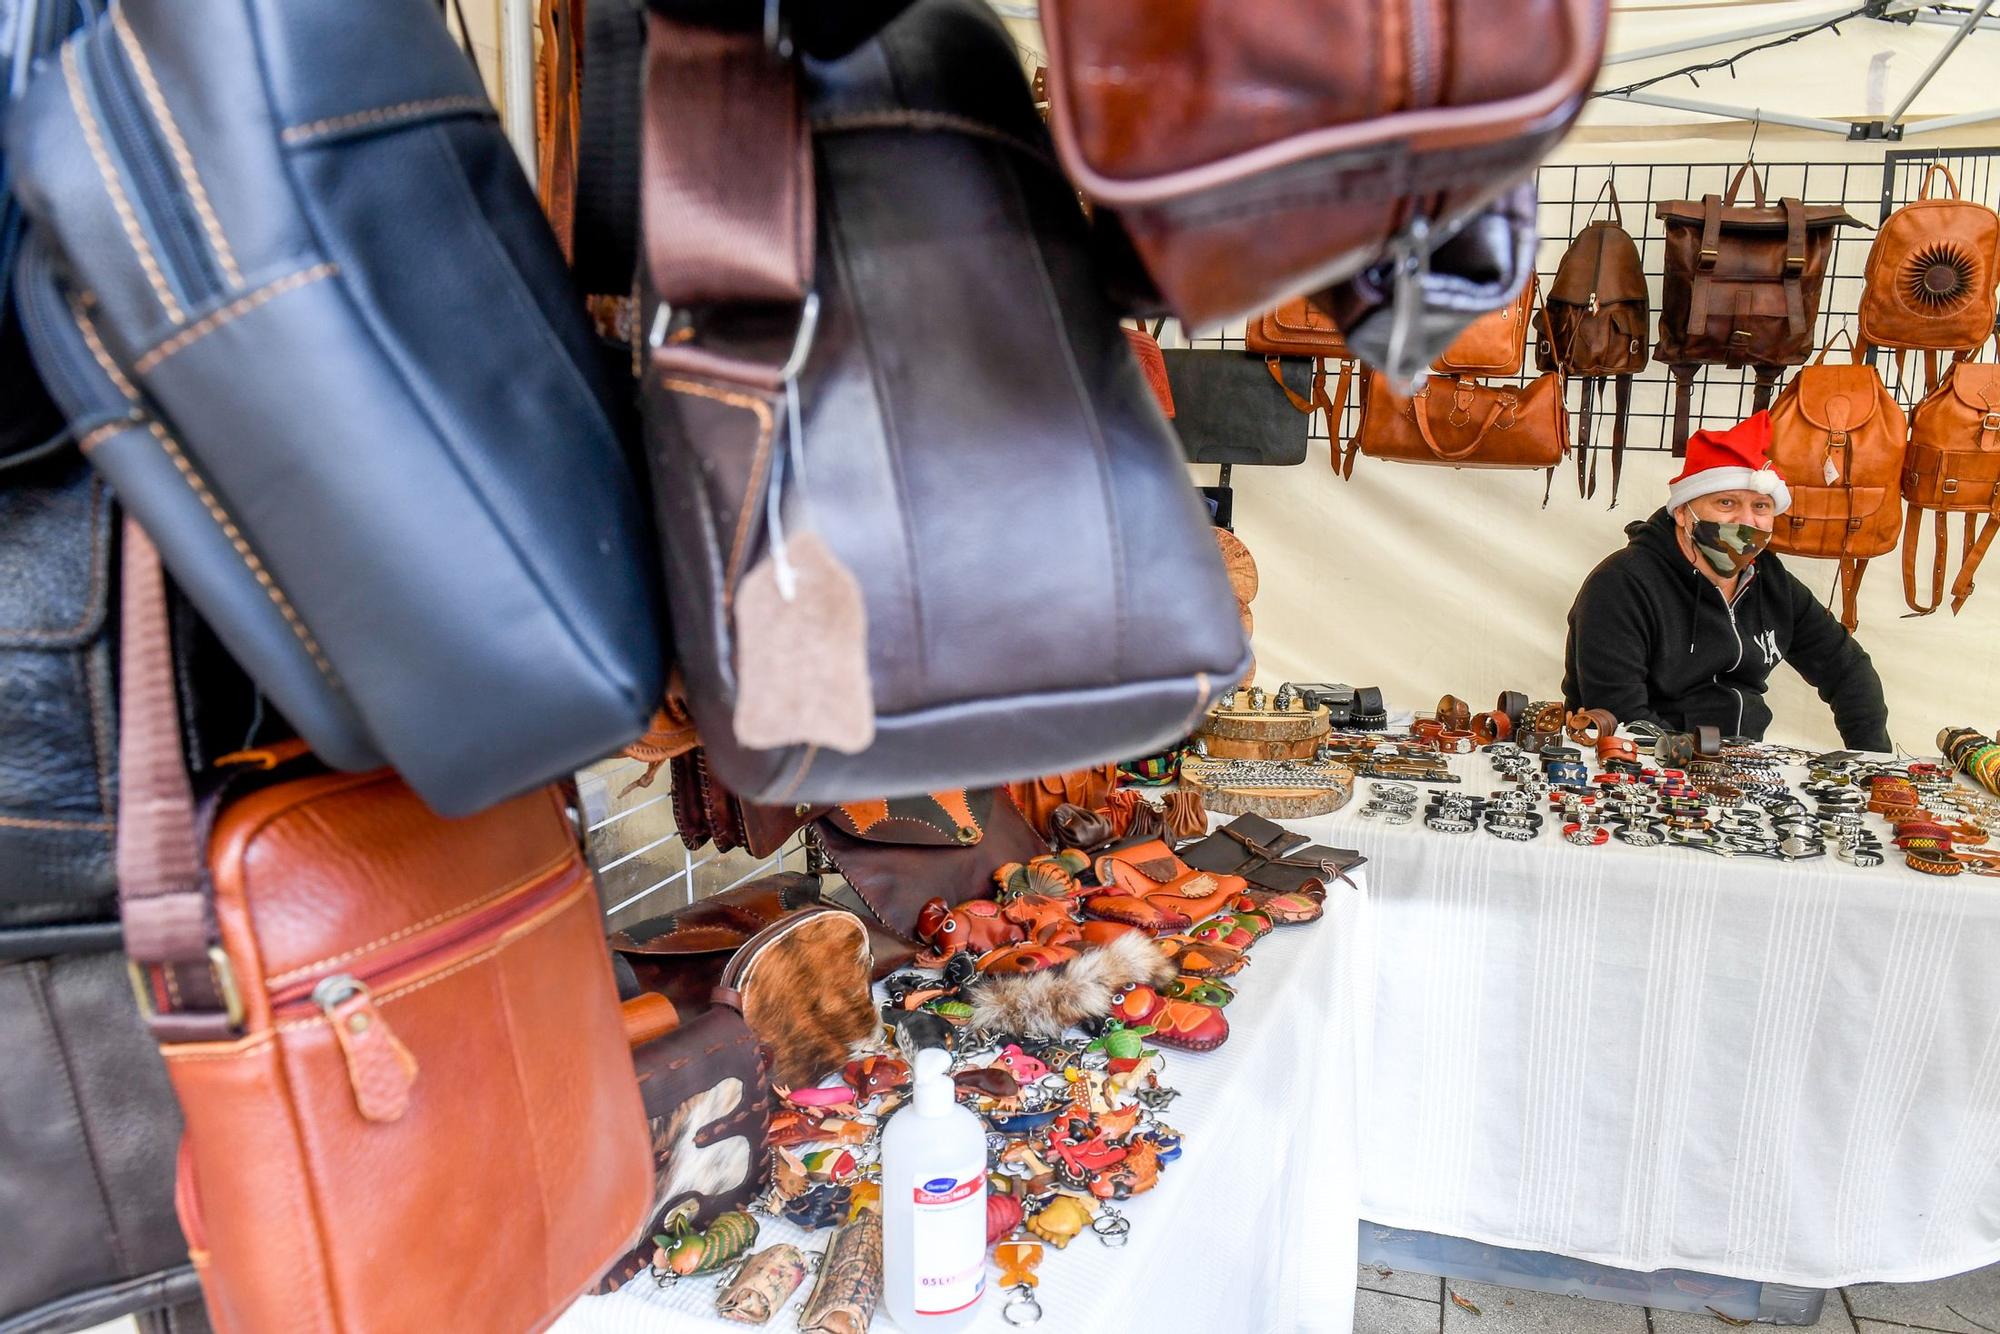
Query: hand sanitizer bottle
<point x="934" y="1205"/>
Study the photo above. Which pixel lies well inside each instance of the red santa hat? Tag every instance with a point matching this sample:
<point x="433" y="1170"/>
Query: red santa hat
<point x="1738" y="459"/>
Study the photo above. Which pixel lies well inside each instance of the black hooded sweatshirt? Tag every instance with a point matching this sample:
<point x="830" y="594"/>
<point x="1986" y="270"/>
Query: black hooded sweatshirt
<point x="1652" y="640"/>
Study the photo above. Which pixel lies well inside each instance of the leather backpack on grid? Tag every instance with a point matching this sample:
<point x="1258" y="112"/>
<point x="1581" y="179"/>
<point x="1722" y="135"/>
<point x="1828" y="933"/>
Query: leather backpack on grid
<point x="1953" y="466"/>
<point x="1931" y="274"/>
<point x="1838" y="439"/>
<point x="1299" y="328"/>
<point x="1254" y="152"/>
<point x="1742" y="286"/>
<point x="1593" y="329"/>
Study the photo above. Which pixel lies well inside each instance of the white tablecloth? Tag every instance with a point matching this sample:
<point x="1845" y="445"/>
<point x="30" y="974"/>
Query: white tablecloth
<point x="1659" y="1057"/>
<point x="1254" y="1227"/>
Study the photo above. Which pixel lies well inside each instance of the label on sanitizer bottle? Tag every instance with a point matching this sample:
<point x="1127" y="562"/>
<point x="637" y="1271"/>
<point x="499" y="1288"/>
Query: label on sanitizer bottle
<point x="950" y="1243"/>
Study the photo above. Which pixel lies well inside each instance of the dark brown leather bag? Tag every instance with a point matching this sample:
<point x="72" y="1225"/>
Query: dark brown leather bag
<point x="1931" y="274"/>
<point x="1465" y="424"/>
<point x="920" y="448"/>
<point x="1256" y="152"/>
<point x="900" y="854"/>
<point x="1592" y="328"/>
<point x="1953" y="466"/>
<point x="349" y="991"/>
<point x="1742" y="286"/>
<point x="1838" y="438"/>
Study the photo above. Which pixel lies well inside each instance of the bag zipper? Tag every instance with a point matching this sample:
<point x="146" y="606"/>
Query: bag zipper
<point x="1597" y="272"/>
<point x="1425" y="38"/>
<point x="157" y="194"/>
<point x="379" y="1067"/>
<point x="47" y="322"/>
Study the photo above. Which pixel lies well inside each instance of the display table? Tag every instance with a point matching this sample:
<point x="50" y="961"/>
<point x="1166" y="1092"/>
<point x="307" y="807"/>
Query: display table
<point x="1660" y="1057"/>
<point x="1269" y="1126"/>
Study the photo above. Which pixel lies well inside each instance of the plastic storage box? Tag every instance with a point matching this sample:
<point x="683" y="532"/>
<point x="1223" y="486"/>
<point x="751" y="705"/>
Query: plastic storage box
<point x="1539" y="1271"/>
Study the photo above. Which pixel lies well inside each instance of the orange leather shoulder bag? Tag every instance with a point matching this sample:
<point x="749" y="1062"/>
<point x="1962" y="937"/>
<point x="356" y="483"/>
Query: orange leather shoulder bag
<point x="395" y="1038"/>
<point x="1466" y="424"/>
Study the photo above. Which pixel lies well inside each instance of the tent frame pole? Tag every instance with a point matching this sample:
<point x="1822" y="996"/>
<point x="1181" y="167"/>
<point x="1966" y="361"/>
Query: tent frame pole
<point x="1951" y="45"/>
<point x="1727" y="112"/>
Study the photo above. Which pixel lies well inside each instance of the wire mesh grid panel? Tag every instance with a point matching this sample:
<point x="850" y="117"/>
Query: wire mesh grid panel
<point x="1571" y="194"/>
<point x="643" y="867"/>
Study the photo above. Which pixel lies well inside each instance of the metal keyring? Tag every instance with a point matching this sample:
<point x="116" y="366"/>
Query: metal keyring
<point x="1022" y="1308"/>
<point x="1112" y="1228"/>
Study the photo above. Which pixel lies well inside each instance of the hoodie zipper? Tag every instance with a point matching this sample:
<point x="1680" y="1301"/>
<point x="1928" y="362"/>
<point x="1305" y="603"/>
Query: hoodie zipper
<point x="380" y="1068"/>
<point x="1730" y="608"/>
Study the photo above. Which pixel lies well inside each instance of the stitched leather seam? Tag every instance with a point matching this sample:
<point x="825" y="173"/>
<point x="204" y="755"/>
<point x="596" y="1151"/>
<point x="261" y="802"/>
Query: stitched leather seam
<point x="760" y="462"/>
<point x="400" y="111"/>
<point x="81" y="311"/>
<point x="251" y="1048"/>
<point x="293" y="974"/>
<point x="183" y="159"/>
<point x="101" y="434"/>
<point x="93" y="826"/>
<point x="207" y="498"/>
<point x="94" y="141"/>
<point x="209" y="323"/>
<point x="514" y="936"/>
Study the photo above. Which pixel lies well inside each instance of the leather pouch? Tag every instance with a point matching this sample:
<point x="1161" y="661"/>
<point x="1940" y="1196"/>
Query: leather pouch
<point x="1148" y="887"/>
<point x="802" y="984"/>
<point x="850" y="1281"/>
<point x="1270" y="857"/>
<point x="681" y="955"/>
<point x="1037" y="798"/>
<point x="900" y="854"/>
<point x="762" y="1286"/>
<point x="707" y="1094"/>
<point x="348" y="468"/>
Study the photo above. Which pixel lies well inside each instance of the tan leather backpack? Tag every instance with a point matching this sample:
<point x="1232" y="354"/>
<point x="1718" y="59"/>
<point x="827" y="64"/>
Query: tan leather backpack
<point x="1495" y="344"/>
<point x="1931" y="274"/>
<point x="1953" y="467"/>
<point x="1838" y="438"/>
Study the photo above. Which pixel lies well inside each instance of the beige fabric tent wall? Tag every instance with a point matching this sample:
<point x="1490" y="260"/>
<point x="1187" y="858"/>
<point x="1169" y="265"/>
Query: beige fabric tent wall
<point x="1430" y="580"/>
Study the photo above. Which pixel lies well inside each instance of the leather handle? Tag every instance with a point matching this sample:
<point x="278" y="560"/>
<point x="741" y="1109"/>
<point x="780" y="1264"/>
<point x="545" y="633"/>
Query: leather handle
<point x="1302" y="404"/>
<point x="1756" y="183"/>
<point x="1924" y="190"/>
<point x="1853" y="348"/>
<point x="1422" y="414"/>
<point x="1617" y="213"/>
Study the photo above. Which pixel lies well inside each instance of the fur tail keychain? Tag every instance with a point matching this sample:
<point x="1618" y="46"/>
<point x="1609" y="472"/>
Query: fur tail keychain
<point x="1047" y="1003"/>
<point x="801" y="624"/>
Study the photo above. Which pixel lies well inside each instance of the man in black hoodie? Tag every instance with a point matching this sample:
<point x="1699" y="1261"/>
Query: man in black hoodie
<point x="1684" y="625"/>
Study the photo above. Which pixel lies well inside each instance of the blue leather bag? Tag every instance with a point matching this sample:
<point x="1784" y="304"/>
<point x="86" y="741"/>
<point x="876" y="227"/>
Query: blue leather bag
<point x="361" y="413"/>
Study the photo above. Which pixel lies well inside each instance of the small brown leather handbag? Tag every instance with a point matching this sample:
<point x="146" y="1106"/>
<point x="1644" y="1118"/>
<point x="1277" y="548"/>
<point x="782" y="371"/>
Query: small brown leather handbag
<point x="1496" y="343"/>
<point x="1953" y="466"/>
<point x="900" y="854"/>
<point x="1465" y="424"/>
<point x="356" y="999"/>
<point x="1299" y="328"/>
<point x="1838" y="438"/>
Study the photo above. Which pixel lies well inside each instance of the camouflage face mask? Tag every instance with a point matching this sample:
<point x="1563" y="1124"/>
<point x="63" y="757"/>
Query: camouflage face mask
<point x="1728" y="548"/>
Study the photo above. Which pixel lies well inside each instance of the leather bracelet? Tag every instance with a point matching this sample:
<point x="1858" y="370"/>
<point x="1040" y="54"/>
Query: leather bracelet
<point x="1427" y="729"/>
<point x="1545" y="715"/>
<point x="1587" y="835"/>
<point x="1933" y="863"/>
<point x="1452" y="741"/>
<point x="1674" y="749"/>
<point x="1641" y="835"/>
<point x="1368" y="699"/>
<point x="1454" y="713"/>
<point x="1708" y="740"/>
<point x="1513" y="704"/>
<point x="1566" y="773"/>
<point x="1616" y="748"/>
<point x="1586" y="725"/>
<point x="1492" y="726"/>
